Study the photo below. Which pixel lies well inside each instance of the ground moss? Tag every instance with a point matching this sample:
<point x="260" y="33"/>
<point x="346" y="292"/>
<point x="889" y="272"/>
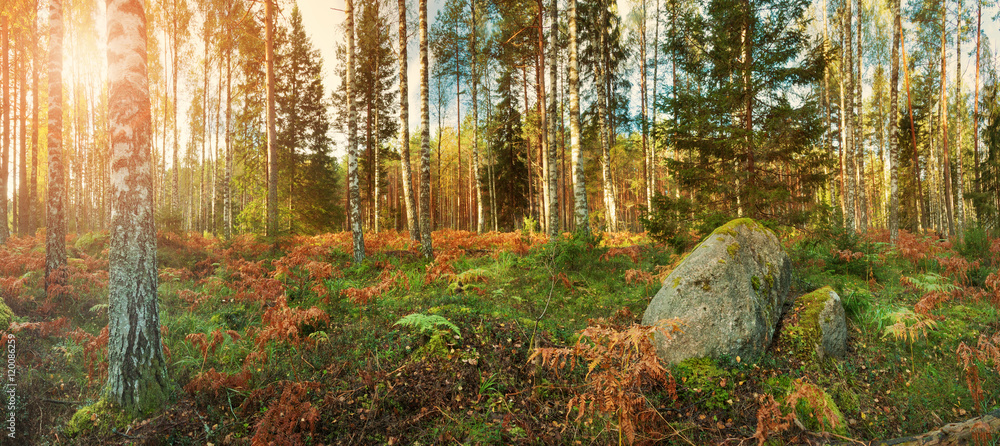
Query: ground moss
<point x="703" y="376"/>
<point x="755" y="281"/>
<point x="817" y="417"/>
<point x="101" y="417"/>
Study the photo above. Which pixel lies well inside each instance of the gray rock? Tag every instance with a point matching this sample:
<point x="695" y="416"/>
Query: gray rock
<point x="823" y="323"/>
<point x="728" y="293"/>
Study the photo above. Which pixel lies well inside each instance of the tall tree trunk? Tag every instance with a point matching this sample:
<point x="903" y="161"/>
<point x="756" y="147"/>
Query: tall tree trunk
<point x="943" y="104"/>
<point x="552" y="172"/>
<point x="475" y="121"/>
<point x="4" y="229"/>
<point x="425" y="141"/>
<point x="893" y="120"/>
<point x="352" y="144"/>
<point x="827" y="122"/>
<point x="22" y="171"/>
<point x="137" y="374"/>
<point x="175" y="198"/>
<point x="227" y="181"/>
<point x="647" y="164"/>
<point x="748" y="93"/>
<point x="579" y="185"/>
<point x="922" y="217"/>
<point x="603" y="105"/>
<point x="859" y="143"/>
<point x="55" y="210"/>
<point x="543" y="141"/>
<point x="404" y="129"/>
<point x="36" y="65"/>
<point x="202" y="202"/>
<point x="975" y="111"/>
<point x="847" y="72"/>
<point x="272" y="144"/>
<point x="959" y="170"/>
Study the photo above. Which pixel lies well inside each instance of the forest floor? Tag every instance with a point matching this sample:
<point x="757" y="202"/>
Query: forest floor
<point x="286" y="341"/>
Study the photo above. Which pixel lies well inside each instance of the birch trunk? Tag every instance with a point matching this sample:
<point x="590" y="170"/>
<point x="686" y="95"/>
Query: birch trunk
<point x="475" y="124"/>
<point x="602" y="118"/>
<point x="949" y="194"/>
<point x="425" y="140"/>
<point x="137" y="374"/>
<point x="848" y="66"/>
<point x="352" y="144"/>
<point x="404" y="129"/>
<point x="893" y="119"/>
<point x="579" y="185"/>
<point x="55" y="208"/>
<point x="4" y="30"/>
<point x="553" y="174"/>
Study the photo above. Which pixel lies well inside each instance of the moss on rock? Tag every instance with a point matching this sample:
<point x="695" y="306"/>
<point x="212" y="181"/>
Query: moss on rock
<point x="5" y="315"/>
<point x="812" y="337"/>
<point x="816" y="409"/>
<point x="101" y="417"/>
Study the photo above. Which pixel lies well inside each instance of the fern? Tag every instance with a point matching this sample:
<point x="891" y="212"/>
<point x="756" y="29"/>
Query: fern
<point x="428" y="324"/>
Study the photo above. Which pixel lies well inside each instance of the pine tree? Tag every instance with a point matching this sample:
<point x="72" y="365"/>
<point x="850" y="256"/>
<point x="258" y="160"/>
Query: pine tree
<point x="752" y="147"/>
<point x="137" y="375"/>
<point x="307" y="171"/>
<point x="272" y="144"/>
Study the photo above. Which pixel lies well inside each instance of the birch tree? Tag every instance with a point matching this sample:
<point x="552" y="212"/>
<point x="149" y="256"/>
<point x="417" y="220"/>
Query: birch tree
<point x="425" y="140"/>
<point x="893" y="120"/>
<point x="579" y="184"/>
<point x="272" y="145"/>
<point x="55" y="206"/>
<point x="352" y="143"/>
<point x="404" y="128"/>
<point x="137" y="375"/>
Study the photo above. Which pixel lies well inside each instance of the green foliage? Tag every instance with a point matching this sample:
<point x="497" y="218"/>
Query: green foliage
<point x="428" y="324"/>
<point x="704" y="377"/>
<point x="975" y="243"/>
<point x="670" y="221"/>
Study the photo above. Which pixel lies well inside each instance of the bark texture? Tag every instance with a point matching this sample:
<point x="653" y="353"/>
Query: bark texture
<point x="425" y="140"/>
<point x="579" y="186"/>
<point x="272" y="144"/>
<point x="404" y="129"/>
<point x="893" y="119"/>
<point x="352" y="144"/>
<point x="55" y="206"/>
<point x="137" y="375"/>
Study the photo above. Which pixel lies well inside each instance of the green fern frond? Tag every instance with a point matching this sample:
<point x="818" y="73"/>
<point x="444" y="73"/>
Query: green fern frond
<point x="428" y="324"/>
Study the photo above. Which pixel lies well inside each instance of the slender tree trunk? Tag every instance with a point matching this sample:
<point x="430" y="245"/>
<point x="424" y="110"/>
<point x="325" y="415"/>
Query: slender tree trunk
<point x="647" y="165"/>
<point x="352" y="143"/>
<point x="959" y="170"/>
<point x="922" y="218"/>
<point x="603" y="105"/>
<point x="55" y="210"/>
<point x="33" y="220"/>
<point x="552" y="172"/>
<point x="949" y="193"/>
<point x="847" y="72"/>
<point x="543" y="141"/>
<point x="137" y="374"/>
<point x="579" y="185"/>
<point x="4" y="229"/>
<point x="893" y="127"/>
<point x="475" y="121"/>
<point x="859" y="143"/>
<point x="404" y="129"/>
<point x="425" y="141"/>
<point x="227" y="181"/>
<point x="656" y="68"/>
<point x="272" y="144"/>
<point x="975" y="112"/>
<point x="202" y="202"/>
<point x="827" y="122"/>
<point x="175" y="198"/>
<point x="22" y="171"/>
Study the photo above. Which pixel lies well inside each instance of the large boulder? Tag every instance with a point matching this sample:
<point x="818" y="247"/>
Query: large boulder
<point x="728" y="292"/>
